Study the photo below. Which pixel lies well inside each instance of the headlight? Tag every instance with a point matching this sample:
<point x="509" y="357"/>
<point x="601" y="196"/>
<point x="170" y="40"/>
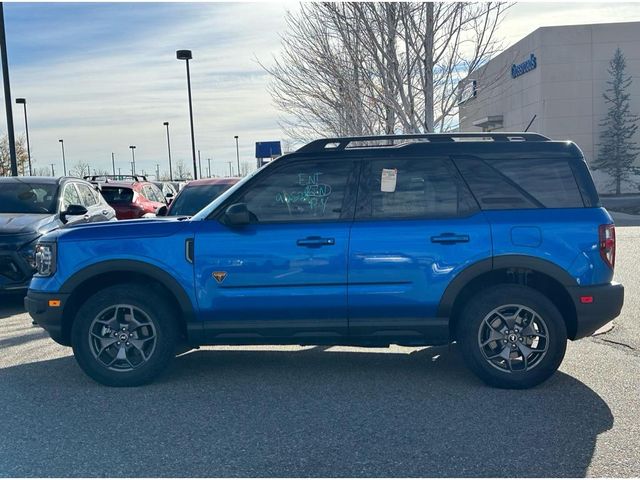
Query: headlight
<point x="45" y="259"/>
<point x="28" y="252"/>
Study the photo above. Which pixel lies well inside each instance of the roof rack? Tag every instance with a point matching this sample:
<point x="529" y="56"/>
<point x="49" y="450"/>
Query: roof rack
<point x="107" y="178"/>
<point x="342" y="143"/>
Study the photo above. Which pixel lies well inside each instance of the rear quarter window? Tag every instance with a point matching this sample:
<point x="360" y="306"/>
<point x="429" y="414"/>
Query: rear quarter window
<point x="521" y="183"/>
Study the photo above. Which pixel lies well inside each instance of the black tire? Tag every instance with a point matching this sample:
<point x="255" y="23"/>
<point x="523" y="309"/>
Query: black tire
<point x="473" y="332"/>
<point x="158" y="327"/>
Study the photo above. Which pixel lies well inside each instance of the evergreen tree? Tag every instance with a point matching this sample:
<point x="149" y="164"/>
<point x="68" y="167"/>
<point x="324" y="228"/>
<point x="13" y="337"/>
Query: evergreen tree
<point x="617" y="150"/>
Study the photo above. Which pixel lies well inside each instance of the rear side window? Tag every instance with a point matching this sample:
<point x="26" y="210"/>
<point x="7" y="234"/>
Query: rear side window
<point x="413" y="188"/>
<point x="87" y="195"/>
<point x="521" y="184"/>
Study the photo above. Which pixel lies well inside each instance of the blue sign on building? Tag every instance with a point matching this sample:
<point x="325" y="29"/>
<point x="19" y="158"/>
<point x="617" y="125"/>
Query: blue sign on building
<point x="268" y="149"/>
<point x="524" y="67"/>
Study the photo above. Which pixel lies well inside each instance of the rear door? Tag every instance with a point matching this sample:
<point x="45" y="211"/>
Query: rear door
<point x="90" y="200"/>
<point x="285" y="274"/>
<point x="416" y="227"/>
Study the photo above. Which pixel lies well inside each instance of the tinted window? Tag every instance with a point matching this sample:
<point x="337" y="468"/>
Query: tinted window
<point x="412" y="188"/>
<point x="117" y="194"/>
<point x="87" y="195"/>
<point x="517" y="184"/>
<point x="193" y="199"/>
<point x="25" y="197"/>
<point x="303" y="191"/>
<point x="70" y="196"/>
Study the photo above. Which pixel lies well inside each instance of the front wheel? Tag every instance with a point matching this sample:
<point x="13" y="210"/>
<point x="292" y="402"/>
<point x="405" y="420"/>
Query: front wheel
<point x="124" y="335"/>
<point x="512" y="336"/>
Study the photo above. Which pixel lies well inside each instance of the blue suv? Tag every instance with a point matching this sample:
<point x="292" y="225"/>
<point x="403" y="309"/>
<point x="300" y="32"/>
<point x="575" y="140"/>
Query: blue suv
<point x="495" y="241"/>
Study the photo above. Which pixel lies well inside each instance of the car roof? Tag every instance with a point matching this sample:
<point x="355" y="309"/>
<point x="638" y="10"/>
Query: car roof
<point x="453" y="143"/>
<point x="43" y="180"/>
<point x="213" y="181"/>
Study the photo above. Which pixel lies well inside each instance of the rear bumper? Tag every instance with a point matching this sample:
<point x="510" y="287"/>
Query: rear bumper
<point x="47" y="316"/>
<point x="605" y="305"/>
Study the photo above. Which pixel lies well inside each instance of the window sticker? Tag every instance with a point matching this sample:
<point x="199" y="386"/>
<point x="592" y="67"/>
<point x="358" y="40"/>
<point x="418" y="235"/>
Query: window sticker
<point x="388" y="180"/>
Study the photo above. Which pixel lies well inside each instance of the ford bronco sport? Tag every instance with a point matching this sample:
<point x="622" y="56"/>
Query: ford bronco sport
<point x="496" y="241"/>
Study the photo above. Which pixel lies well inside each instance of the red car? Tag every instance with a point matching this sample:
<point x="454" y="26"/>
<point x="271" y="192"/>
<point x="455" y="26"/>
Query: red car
<point x="133" y="199"/>
<point x="198" y="194"/>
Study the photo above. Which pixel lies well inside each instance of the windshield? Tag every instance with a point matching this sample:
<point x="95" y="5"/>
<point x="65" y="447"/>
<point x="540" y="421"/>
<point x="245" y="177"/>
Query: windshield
<point x="117" y="194"/>
<point x="193" y="199"/>
<point x="204" y="213"/>
<point x="26" y="197"/>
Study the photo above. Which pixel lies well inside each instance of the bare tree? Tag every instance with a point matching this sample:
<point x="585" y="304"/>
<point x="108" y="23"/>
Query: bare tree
<point x="21" y="156"/>
<point x="80" y="169"/>
<point x="367" y="68"/>
<point x="181" y="172"/>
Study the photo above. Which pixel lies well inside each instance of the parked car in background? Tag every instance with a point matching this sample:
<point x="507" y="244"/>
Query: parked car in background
<point x="33" y="206"/>
<point x="133" y="199"/>
<point x="198" y="194"/>
<point x="167" y="189"/>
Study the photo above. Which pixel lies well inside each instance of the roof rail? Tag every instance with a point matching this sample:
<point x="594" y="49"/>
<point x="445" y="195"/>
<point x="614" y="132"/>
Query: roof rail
<point x="99" y="178"/>
<point x="342" y="143"/>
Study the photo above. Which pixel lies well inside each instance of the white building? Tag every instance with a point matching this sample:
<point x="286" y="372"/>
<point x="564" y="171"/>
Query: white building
<point x="553" y="79"/>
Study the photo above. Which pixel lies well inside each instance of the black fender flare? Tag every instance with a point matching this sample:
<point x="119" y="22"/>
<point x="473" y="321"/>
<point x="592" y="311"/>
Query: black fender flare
<point x="498" y="263"/>
<point x="134" y="266"/>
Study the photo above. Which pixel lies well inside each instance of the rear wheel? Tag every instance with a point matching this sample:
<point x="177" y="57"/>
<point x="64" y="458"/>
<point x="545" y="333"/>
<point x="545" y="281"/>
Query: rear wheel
<point x="512" y="336"/>
<point x="124" y="335"/>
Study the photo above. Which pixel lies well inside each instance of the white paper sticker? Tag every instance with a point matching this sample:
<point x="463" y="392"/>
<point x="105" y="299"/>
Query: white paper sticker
<point x="388" y="180"/>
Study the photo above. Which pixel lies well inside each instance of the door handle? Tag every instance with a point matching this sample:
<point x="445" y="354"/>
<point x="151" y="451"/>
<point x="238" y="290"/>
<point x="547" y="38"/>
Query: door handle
<point x="86" y="217"/>
<point x="315" y="242"/>
<point x="104" y="212"/>
<point x="450" y="238"/>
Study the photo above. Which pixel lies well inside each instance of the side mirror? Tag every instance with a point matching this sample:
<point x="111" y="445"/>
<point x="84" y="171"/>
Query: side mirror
<point x="237" y="215"/>
<point x="162" y="211"/>
<point x="72" y="211"/>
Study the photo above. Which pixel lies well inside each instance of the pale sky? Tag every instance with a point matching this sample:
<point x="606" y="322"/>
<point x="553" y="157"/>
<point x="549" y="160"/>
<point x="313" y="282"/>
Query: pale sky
<point x="104" y="76"/>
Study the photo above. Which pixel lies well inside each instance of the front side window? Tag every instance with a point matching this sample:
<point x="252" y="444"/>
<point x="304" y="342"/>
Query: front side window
<point x="302" y="191"/>
<point x="412" y="188"/>
<point x="70" y="196"/>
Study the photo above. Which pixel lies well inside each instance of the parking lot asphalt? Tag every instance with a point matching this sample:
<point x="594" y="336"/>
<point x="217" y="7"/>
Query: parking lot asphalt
<point x="315" y="411"/>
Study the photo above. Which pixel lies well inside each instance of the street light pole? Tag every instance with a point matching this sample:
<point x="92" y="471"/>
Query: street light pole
<point x="199" y="164"/>
<point x="187" y="55"/>
<point x="166" y="124"/>
<point x="133" y="156"/>
<point x="53" y="173"/>
<point x="7" y="96"/>
<point x="237" y="153"/>
<point x="209" y="167"/>
<point x="23" y="101"/>
<point x="113" y="162"/>
<point x="64" y="160"/>
<point x="230" y="166"/>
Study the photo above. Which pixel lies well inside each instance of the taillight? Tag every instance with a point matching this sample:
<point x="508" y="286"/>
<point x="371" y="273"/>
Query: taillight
<point x="607" y="240"/>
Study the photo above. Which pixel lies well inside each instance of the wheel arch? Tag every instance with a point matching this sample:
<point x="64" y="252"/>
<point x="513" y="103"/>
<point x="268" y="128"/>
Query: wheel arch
<point x="542" y="275"/>
<point x="111" y="272"/>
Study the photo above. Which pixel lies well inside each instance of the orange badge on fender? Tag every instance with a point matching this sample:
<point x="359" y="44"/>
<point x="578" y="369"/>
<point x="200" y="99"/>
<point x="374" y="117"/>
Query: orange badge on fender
<point x="219" y="276"/>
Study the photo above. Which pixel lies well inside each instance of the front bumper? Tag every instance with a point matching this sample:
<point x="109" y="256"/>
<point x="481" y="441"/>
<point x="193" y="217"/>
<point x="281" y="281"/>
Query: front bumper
<point x="48" y="313"/>
<point x="15" y="273"/>
<point x="595" y="306"/>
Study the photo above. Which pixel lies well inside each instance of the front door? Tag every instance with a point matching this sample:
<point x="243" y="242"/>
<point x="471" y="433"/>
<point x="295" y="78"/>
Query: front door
<point x="416" y="227"/>
<point x="285" y="274"/>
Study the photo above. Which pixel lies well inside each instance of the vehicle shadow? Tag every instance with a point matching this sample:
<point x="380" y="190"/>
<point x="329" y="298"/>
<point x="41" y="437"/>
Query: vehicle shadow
<point x="315" y="412"/>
